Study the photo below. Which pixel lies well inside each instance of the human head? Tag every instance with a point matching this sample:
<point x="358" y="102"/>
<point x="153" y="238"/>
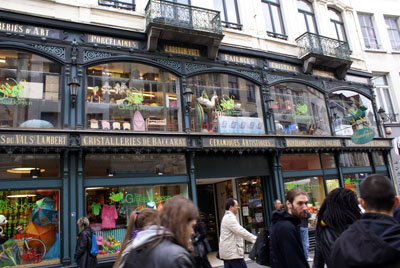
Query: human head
<point x="145" y="217"/>
<point x="232" y="205"/>
<point x="377" y="194"/>
<point x="339" y="209"/>
<point x="179" y="215"/>
<point x="83" y="222"/>
<point x="296" y="203"/>
<point x="277" y="204"/>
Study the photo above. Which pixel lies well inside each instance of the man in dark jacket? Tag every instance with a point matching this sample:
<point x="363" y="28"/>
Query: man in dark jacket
<point x="396" y="213"/>
<point x="374" y="240"/>
<point x="286" y="248"/>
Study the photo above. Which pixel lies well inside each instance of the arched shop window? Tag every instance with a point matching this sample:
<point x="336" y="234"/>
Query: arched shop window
<point x="129" y="96"/>
<point x="299" y="109"/>
<point x="225" y="103"/>
<point x="351" y="110"/>
<point x="29" y="91"/>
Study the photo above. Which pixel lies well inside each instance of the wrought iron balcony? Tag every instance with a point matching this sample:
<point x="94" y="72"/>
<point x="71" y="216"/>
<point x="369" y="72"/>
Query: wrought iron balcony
<point x="324" y="51"/>
<point x="185" y="23"/>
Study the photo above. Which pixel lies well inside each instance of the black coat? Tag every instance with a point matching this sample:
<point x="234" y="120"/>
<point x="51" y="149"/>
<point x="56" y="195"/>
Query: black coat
<point x="396" y="213"/>
<point x="82" y="250"/>
<point x="372" y="241"/>
<point x="325" y="238"/>
<point x="286" y="249"/>
<point x="201" y="247"/>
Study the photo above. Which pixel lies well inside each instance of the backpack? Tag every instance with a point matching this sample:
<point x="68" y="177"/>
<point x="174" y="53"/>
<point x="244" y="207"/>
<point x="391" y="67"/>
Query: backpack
<point x="260" y="250"/>
<point x="94" y="250"/>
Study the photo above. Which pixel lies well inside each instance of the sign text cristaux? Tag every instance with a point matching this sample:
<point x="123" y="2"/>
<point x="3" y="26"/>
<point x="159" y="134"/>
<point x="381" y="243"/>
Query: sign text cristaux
<point x="34" y="139"/>
<point x="17" y="28"/>
<point x="182" y="50"/>
<point x="283" y="66"/>
<point x="132" y="141"/>
<point x="312" y="143"/>
<point x="238" y="142"/>
<point x="111" y="41"/>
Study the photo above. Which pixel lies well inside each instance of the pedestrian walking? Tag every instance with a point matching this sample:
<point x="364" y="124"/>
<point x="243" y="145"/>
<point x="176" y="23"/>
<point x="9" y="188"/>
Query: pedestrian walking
<point x="84" y="245"/>
<point x="304" y="235"/>
<point x="338" y="211"/>
<point x="166" y="245"/>
<point x="286" y="248"/>
<point x="138" y="220"/>
<point x="277" y="204"/>
<point x="373" y="240"/>
<point x="231" y="244"/>
<point x="201" y="247"/>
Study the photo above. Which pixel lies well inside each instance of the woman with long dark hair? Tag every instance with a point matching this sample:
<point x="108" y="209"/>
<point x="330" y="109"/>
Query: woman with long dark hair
<point x="339" y="210"/>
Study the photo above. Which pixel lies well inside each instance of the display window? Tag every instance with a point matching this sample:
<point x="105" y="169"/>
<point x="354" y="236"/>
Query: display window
<point x="225" y="103"/>
<point x="353" y="181"/>
<point x="22" y="166"/>
<point x="135" y="97"/>
<point x="332" y="184"/>
<point x="251" y="205"/>
<point x="109" y="208"/>
<point x="299" y="110"/>
<point x="29" y="228"/>
<point x="354" y="159"/>
<point x="351" y="111"/>
<point x="300" y="162"/>
<point x="134" y="165"/>
<point x="378" y="158"/>
<point x="29" y="91"/>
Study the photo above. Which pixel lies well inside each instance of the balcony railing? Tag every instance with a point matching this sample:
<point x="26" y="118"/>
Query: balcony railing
<point x="310" y="43"/>
<point x="183" y="16"/>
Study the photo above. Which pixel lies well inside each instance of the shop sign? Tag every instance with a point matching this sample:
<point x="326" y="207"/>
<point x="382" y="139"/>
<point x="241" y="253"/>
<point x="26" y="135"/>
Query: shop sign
<point x="238" y="143"/>
<point x="132" y="141"/>
<point x="34" y="139"/>
<point x="237" y="59"/>
<point x="363" y="135"/>
<point x="312" y="143"/>
<point x="10" y="204"/>
<point x="129" y="198"/>
<point x="373" y="143"/>
<point x="323" y="73"/>
<point x="111" y="41"/>
<point x="17" y="28"/>
<point x="182" y="50"/>
<point x="11" y="95"/>
<point x="301" y="112"/>
<point x="283" y="66"/>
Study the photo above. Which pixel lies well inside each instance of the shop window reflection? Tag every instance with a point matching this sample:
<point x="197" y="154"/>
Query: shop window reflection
<point x="36" y="212"/>
<point x="354" y="159"/>
<point x="29" y="91"/>
<point x="300" y="162"/>
<point x="378" y="158"/>
<point x="353" y="181"/>
<point x="132" y="97"/>
<point x="109" y="208"/>
<point x="332" y="184"/>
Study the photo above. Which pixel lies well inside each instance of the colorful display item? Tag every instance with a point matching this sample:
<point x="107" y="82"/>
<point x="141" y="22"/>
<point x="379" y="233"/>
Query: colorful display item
<point x="45" y="211"/>
<point x="110" y="246"/>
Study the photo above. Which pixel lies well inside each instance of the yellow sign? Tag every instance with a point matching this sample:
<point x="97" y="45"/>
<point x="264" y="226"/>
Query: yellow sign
<point x="238" y="143"/>
<point x="17" y="28"/>
<point x="323" y="73"/>
<point x="34" y="139"/>
<point x="111" y="41"/>
<point x="182" y="50"/>
<point x="132" y="141"/>
<point x="373" y="143"/>
<point x="312" y="143"/>
<point x="283" y="66"/>
<point x="237" y="59"/>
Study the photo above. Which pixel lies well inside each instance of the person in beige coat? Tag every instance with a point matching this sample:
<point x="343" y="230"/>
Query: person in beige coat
<point x="231" y="244"/>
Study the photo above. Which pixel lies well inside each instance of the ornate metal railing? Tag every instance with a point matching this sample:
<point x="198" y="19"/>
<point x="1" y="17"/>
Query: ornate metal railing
<point x="317" y="44"/>
<point x="184" y="16"/>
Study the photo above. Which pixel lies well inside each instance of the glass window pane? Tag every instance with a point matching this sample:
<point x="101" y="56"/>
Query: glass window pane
<point x="311" y="25"/>
<point x="232" y="15"/>
<point x="368" y="31"/>
<point x="222" y="104"/>
<point x="314" y="186"/>
<point x="218" y="5"/>
<point x="394" y="33"/>
<point x="109" y="208"/>
<point x="378" y="158"/>
<point x="332" y="184"/>
<point x="304" y="5"/>
<point x="354" y="159"/>
<point x="299" y="110"/>
<point x="268" y="18"/>
<point x="133" y="165"/>
<point x="353" y="181"/>
<point x="132" y="97"/>
<point x="292" y="162"/>
<point x="37" y="212"/>
<point x="277" y="20"/>
<point x="29" y="91"/>
<point x="350" y="108"/>
<point x="334" y="15"/>
<point x="18" y="166"/>
<point x="328" y="160"/>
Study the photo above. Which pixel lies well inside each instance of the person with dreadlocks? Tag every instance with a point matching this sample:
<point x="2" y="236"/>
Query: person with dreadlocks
<point x="339" y="210"/>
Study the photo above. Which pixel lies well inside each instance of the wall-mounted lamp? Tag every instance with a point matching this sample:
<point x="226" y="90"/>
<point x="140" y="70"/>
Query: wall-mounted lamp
<point x="382" y="114"/>
<point x="35" y="173"/>
<point x="110" y="172"/>
<point x="188" y="94"/>
<point x="73" y="90"/>
<point x="269" y="100"/>
<point x="333" y="109"/>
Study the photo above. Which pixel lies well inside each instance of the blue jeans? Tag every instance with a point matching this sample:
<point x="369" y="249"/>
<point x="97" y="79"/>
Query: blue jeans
<point x="236" y="263"/>
<point x="304" y="240"/>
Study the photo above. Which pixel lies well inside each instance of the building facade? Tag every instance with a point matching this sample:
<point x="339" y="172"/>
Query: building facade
<point x="113" y="106"/>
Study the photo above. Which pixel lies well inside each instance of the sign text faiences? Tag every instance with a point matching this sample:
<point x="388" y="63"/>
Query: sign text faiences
<point x="238" y="59"/>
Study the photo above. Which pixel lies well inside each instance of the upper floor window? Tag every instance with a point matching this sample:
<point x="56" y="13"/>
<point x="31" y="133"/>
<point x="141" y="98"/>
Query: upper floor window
<point x="273" y="18"/>
<point x="307" y="17"/>
<point x="123" y="4"/>
<point x="393" y="31"/>
<point x="337" y="22"/>
<point x="383" y="98"/>
<point x="229" y="13"/>
<point x="225" y="103"/>
<point x="299" y="110"/>
<point x="29" y="91"/>
<point x="368" y="32"/>
<point x="132" y="97"/>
